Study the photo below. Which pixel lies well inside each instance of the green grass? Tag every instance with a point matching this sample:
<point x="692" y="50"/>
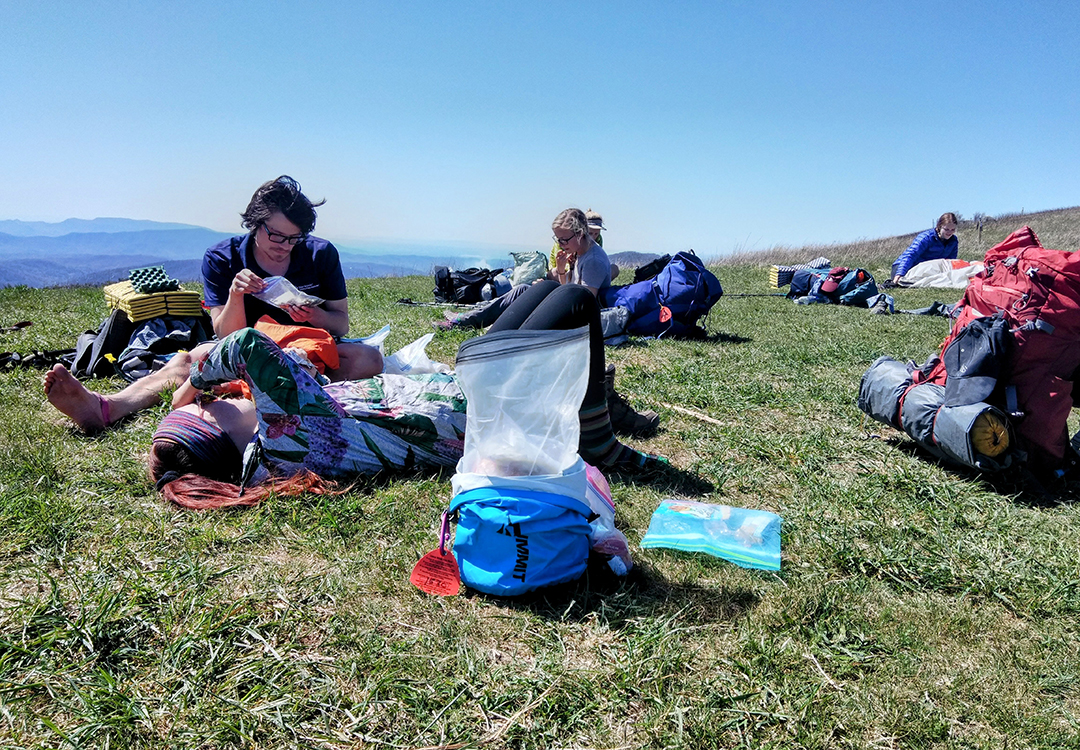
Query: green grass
<point x="917" y="607"/>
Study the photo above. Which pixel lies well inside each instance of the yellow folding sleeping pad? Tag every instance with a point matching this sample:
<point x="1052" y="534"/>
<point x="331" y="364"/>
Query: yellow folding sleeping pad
<point x="782" y="275"/>
<point x="138" y="307"/>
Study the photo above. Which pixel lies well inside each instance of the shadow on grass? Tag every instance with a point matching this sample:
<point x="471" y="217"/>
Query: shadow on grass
<point x="714" y="338"/>
<point x="94" y="435"/>
<point x="1026" y="488"/>
<point x="643" y="592"/>
<point x="666" y="479"/>
<point x="367" y="484"/>
<point x="726" y="338"/>
<point x="1019" y="483"/>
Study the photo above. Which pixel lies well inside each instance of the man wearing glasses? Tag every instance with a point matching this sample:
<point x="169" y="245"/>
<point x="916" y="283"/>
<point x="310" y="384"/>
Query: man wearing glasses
<point x="280" y="219"/>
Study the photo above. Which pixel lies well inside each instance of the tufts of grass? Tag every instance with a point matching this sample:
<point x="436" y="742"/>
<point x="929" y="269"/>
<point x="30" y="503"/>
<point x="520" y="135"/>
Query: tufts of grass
<point x="917" y="607"/>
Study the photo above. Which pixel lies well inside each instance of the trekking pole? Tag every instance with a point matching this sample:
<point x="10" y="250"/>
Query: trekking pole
<point x="774" y="294"/>
<point x="457" y="305"/>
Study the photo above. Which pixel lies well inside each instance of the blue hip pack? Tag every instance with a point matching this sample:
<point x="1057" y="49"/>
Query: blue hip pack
<point x="511" y="541"/>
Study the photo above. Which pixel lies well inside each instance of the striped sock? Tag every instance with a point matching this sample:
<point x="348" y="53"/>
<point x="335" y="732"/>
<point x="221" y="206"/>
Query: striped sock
<point x="597" y="443"/>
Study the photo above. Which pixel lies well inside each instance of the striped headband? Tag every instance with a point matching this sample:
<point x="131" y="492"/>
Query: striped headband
<point x="205" y="440"/>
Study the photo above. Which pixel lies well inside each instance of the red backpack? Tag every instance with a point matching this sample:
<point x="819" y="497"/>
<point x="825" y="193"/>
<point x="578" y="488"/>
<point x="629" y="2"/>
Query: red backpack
<point x="1037" y="291"/>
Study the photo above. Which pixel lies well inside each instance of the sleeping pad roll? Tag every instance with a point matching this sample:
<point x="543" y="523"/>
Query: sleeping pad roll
<point x="972" y="435"/>
<point x="881" y="389"/>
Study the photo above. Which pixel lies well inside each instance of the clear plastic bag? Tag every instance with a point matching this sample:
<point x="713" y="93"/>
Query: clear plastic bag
<point x="412" y="359"/>
<point x="750" y="538"/>
<point x="376" y="339"/>
<point x="604" y="537"/>
<point x="280" y="292"/>
<point x="524" y="390"/>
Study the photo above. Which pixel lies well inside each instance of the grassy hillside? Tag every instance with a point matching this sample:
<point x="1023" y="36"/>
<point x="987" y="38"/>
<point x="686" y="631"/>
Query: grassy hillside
<point x="917" y="607"/>
<point x="1059" y="228"/>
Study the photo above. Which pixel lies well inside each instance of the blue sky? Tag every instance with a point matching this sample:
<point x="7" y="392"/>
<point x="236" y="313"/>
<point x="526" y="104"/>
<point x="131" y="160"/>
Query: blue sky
<point x="715" y="125"/>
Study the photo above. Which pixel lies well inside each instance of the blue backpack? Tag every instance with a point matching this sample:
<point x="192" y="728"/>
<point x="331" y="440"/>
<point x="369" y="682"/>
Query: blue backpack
<point x="672" y="303"/>
<point x="509" y="542"/>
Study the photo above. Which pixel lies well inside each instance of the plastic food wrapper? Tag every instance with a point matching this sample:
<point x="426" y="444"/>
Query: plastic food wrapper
<point x="412" y="359"/>
<point x="280" y="292"/>
<point x="604" y="537"/>
<point x="750" y="538"/>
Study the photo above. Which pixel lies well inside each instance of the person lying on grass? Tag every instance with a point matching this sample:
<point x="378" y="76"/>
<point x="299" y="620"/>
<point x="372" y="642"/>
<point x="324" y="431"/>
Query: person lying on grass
<point x="308" y="432"/>
<point x="92" y="411"/>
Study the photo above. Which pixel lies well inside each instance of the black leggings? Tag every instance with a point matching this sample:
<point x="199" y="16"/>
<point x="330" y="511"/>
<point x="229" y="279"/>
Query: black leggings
<point x="550" y="306"/>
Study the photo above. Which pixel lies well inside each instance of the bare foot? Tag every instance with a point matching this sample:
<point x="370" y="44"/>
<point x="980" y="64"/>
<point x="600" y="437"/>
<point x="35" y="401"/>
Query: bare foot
<point x="74" y="399"/>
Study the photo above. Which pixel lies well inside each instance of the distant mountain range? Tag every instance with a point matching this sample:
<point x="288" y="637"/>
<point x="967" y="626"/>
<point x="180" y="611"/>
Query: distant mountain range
<point x="101" y="251"/>
<point x="19" y="228"/>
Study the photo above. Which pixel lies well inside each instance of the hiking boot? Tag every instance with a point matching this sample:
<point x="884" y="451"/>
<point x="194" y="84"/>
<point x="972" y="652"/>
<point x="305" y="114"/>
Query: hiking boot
<point x="881" y="307"/>
<point x="624" y="419"/>
<point x="640" y="465"/>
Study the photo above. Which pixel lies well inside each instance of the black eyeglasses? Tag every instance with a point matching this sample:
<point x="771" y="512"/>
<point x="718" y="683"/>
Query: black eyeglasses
<point x="282" y="239"/>
<point x="561" y="241"/>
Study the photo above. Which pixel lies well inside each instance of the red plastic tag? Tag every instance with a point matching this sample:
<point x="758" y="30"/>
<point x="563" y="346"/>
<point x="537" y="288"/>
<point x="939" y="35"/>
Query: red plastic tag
<point x="665" y="314"/>
<point x="436" y="573"/>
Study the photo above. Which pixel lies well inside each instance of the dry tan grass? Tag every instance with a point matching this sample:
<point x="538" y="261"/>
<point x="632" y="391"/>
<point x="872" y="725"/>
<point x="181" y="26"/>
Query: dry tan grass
<point x="1058" y="228"/>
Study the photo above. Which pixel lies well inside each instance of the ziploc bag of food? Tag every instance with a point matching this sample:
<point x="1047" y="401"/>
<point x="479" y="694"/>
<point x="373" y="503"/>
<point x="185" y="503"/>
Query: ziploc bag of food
<point x="280" y="292"/>
<point x="750" y="538"/>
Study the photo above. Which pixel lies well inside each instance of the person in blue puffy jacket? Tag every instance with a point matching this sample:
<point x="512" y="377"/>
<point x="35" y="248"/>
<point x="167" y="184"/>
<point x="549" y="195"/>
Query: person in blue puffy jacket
<point x="939" y="242"/>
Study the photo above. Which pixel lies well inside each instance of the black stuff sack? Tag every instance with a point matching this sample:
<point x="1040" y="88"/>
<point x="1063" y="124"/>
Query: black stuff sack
<point x="464" y="287"/>
<point x="96" y="351"/>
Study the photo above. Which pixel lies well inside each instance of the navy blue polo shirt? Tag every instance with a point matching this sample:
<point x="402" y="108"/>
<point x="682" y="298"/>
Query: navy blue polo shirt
<point x="314" y="267"/>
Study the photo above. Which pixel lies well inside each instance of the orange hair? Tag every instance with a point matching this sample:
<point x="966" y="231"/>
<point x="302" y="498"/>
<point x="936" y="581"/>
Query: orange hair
<point x="180" y="478"/>
<point x="199" y="493"/>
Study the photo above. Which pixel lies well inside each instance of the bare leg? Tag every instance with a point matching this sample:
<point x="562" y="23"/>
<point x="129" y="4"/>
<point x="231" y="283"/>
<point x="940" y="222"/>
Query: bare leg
<point x="356" y="362"/>
<point x="92" y="411"/>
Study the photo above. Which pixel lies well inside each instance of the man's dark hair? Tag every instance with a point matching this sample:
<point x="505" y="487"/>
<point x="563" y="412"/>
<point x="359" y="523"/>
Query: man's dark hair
<point x="282" y="194"/>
